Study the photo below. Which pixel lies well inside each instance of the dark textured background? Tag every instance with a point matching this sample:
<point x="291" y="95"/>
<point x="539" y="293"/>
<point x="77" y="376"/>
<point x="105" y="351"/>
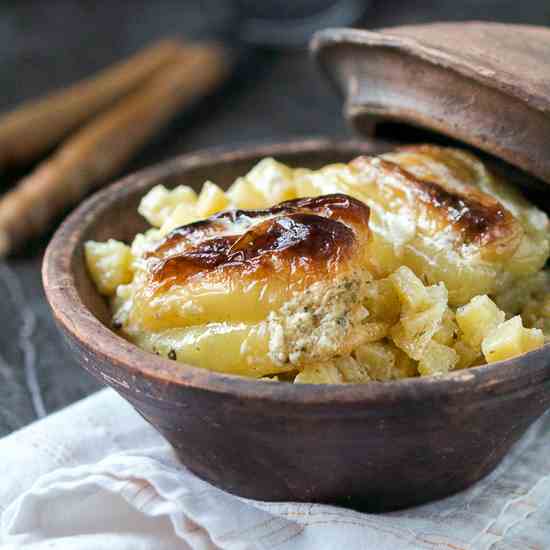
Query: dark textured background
<point x="273" y="96"/>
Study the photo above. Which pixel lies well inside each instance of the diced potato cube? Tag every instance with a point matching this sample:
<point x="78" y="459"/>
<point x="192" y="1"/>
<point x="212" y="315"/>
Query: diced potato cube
<point x="429" y="320"/>
<point x="405" y="367"/>
<point x="382" y="301"/>
<point x="184" y="214"/>
<point x="415" y="330"/>
<point x="159" y="203"/>
<point x="109" y="264"/>
<point x="384" y="361"/>
<point x="320" y="374"/>
<point x="412" y="293"/>
<point x="304" y="186"/>
<point x="211" y="200"/>
<point x="438" y="294"/>
<point x="437" y="359"/>
<point x="374" y="331"/>
<point x="448" y="329"/>
<point x="378" y="358"/>
<point x="510" y="339"/>
<point x="244" y="195"/>
<point x="533" y="338"/>
<point x="352" y="371"/>
<point x="467" y="355"/>
<point x="273" y="180"/>
<point x="477" y="318"/>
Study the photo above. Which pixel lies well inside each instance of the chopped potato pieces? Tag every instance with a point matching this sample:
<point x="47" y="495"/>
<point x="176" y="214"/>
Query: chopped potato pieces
<point x="510" y="339"/>
<point x="437" y="359"/>
<point x="211" y="200"/>
<point x="422" y="314"/>
<point x="372" y="332"/>
<point x="319" y="374"/>
<point x="159" y="203"/>
<point x="378" y="358"/>
<point x="181" y="215"/>
<point x="383" y="361"/>
<point x="477" y="318"/>
<point x="273" y="180"/>
<point x="413" y="295"/>
<point x="467" y="356"/>
<point x="109" y="264"/>
<point x="448" y="329"/>
<point x="244" y="195"/>
<point x="382" y="301"/>
<point x="353" y="371"/>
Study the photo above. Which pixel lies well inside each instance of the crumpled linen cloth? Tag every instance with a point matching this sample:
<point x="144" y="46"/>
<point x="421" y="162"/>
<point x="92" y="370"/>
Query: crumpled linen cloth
<point x="96" y="475"/>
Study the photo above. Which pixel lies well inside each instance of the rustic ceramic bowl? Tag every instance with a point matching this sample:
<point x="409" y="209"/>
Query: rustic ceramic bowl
<point x="379" y="445"/>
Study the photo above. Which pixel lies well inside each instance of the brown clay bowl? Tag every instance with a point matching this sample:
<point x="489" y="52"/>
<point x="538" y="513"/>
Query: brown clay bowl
<point x="380" y="445"/>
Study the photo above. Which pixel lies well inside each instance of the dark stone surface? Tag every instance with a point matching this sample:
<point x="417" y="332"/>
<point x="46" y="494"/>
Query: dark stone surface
<point x="44" y="45"/>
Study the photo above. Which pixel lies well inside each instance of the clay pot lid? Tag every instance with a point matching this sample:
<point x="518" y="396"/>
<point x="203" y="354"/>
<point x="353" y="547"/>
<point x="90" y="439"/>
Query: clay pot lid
<point x="485" y="84"/>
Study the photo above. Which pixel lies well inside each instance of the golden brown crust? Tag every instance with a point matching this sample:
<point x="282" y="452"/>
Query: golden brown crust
<point x="302" y="239"/>
<point x="446" y="190"/>
<point x="452" y="164"/>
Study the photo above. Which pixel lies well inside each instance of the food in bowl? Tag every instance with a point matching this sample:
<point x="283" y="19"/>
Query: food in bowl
<point x="413" y="263"/>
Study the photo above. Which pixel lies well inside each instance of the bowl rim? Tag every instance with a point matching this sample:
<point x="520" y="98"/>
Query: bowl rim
<point x="78" y="322"/>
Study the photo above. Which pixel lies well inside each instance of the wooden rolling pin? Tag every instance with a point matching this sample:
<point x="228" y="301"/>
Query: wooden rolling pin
<point x="101" y="148"/>
<point x="38" y="125"/>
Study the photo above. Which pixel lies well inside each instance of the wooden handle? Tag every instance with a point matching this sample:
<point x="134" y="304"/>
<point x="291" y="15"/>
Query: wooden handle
<point x="36" y="126"/>
<point x="102" y="147"/>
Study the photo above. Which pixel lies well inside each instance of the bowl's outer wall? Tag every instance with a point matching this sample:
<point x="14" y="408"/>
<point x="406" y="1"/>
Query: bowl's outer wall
<point x="377" y="457"/>
<point x="380" y="445"/>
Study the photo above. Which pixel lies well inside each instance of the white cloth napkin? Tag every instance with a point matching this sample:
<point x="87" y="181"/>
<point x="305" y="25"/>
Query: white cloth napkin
<point x="96" y="475"/>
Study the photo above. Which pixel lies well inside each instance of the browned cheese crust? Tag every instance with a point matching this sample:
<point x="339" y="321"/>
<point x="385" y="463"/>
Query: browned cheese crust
<point x="449" y="199"/>
<point x="305" y="240"/>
